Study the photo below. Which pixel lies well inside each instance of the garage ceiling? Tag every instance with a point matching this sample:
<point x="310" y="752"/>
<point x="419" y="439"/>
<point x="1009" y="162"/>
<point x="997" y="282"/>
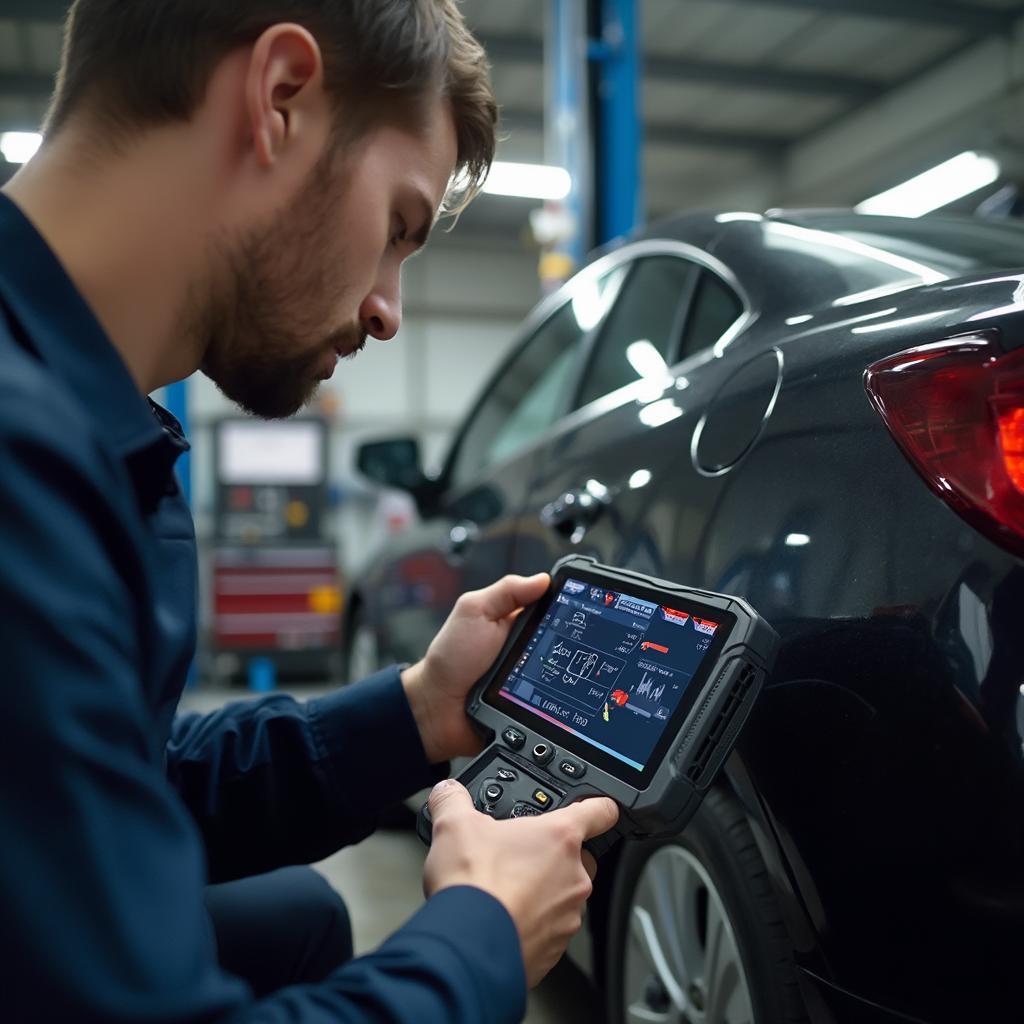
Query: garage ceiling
<point x="730" y="86"/>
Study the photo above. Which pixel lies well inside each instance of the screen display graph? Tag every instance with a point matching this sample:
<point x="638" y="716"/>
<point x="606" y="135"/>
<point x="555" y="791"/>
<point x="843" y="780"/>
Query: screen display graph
<point x="609" y="667"/>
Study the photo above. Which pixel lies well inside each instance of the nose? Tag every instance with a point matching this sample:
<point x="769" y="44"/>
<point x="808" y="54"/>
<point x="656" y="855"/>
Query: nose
<point x="381" y="310"/>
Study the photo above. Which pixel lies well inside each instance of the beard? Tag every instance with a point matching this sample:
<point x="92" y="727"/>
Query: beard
<point x="262" y="331"/>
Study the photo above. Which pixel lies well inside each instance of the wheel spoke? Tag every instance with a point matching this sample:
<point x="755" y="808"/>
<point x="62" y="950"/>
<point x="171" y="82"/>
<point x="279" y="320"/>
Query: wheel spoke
<point x="640" y="1013"/>
<point x="692" y="950"/>
<point x="728" y="997"/>
<point x="681" y="957"/>
<point x="670" y="905"/>
<point x="642" y="926"/>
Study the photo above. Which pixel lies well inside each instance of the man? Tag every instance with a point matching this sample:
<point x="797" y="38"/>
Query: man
<point x="231" y="187"/>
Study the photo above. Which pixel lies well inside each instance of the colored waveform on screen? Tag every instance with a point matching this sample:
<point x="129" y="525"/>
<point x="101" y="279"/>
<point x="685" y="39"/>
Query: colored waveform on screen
<point x="649" y="690"/>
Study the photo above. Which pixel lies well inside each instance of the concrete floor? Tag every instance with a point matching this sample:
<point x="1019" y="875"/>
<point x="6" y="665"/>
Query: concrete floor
<point x="380" y="881"/>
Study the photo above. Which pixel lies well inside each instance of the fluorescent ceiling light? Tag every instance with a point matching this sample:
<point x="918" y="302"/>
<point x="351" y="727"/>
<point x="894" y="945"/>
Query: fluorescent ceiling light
<point x="528" y="181"/>
<point x="797" y="540"/>
<point x="938" y="187"/>
<point x="20" y="147"/>
<point x="641" y="478"/>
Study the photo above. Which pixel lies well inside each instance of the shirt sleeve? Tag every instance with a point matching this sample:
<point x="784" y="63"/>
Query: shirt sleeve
<point x="273" y="782"/>
<point x="101" y="867"/>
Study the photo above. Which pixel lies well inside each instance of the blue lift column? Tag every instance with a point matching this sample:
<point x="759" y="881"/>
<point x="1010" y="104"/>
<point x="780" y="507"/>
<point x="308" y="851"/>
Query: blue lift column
<point x="176" y="397"/>
<point x="569" y="230"/>
<point x="176" y="400"/>
<point x="618" y="64"/>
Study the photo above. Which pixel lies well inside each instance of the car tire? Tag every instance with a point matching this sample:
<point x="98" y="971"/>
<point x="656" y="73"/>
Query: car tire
<point x="361" y="656"/>
<point x="720" y="953"/>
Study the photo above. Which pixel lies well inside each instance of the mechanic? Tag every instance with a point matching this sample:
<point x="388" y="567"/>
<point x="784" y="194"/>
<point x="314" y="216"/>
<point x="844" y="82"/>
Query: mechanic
<point x="232" y="188"/>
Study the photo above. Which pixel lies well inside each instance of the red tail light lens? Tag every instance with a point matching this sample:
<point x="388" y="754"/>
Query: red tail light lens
<point x="956" y="409"/>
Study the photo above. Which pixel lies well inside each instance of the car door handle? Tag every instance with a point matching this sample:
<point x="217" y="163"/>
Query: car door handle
<point x="461" y="535"/>
<point x="573" y="513"/>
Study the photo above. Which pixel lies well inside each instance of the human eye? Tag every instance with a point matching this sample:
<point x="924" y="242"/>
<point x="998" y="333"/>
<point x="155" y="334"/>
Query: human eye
<point x="399" y="232"/>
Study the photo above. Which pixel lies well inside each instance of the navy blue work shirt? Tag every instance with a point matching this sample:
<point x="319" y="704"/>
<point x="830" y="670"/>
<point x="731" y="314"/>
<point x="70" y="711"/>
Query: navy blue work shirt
<point x="114" y="814"/>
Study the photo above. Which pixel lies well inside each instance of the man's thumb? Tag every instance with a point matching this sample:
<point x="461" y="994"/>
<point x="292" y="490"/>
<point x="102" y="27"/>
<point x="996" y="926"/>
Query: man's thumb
<point x="448" y="797"/>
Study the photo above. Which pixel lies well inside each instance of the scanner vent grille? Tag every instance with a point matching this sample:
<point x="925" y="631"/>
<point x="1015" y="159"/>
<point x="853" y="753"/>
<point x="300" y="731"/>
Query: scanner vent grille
<point x="709" y="747"/>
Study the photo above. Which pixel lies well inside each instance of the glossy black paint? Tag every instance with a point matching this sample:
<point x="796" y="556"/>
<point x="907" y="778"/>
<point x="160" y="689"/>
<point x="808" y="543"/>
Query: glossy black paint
<point x="882" y="769"/>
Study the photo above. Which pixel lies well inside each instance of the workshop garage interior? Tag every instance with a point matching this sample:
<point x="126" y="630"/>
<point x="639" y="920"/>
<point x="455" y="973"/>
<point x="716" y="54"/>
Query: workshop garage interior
<point x="512" y="511"/>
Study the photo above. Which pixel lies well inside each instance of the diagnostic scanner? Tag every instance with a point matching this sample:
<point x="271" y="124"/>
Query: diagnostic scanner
<point x="615" y="684"/>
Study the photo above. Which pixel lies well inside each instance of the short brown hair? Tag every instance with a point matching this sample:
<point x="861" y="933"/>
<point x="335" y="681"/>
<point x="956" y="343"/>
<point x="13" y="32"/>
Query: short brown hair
<point x="145" y="62"/>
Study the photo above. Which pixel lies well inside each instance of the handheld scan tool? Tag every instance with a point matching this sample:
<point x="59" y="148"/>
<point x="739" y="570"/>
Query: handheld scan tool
<point x="615" y="684"/>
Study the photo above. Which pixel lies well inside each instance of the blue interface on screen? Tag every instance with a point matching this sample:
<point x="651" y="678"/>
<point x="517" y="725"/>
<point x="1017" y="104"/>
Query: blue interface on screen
<point x="609" y="668"/>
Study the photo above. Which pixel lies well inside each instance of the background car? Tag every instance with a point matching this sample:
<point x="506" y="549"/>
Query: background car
<point x="823" y="413"/>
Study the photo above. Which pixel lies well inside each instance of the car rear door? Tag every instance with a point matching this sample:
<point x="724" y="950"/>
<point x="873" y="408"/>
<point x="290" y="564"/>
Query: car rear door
<point x="610" y="480"/>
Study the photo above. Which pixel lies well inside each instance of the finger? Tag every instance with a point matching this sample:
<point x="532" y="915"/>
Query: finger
<point x="447" y="798"/>
<point x="509" y="594"/>
<point x="589" y="864"/>
<point x="595" y="815"/>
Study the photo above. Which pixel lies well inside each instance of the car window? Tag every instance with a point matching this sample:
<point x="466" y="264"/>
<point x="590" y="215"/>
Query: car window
<point x="532" y="390"/>
<point x="639" y="336"/>
<point x="715" y="308"/>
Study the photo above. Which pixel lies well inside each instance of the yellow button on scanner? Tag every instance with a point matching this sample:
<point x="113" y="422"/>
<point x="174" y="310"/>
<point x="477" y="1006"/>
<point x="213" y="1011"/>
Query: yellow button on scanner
<point x="541" y="798"/>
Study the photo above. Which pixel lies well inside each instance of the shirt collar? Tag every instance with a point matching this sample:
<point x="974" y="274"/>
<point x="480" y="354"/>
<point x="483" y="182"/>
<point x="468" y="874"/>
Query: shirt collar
<point x="59" y="326"/>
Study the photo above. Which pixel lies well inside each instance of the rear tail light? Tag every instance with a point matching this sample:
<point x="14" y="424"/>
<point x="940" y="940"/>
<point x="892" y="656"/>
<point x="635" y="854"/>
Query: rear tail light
<point x="956" y="408"/>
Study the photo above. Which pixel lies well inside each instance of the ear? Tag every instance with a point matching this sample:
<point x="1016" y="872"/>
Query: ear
<point x="284" y="91"/>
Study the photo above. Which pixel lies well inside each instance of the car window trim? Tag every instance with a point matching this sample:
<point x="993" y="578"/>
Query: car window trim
<point x="594" y="343"/>
<point x="729" y="334"/>
<point x="550" y="305"/>
<point x="682" y="317"/>
<point x="593" y="340"/>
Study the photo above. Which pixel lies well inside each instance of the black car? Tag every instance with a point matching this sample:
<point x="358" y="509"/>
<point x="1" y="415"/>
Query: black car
<point x="823" y="413"/>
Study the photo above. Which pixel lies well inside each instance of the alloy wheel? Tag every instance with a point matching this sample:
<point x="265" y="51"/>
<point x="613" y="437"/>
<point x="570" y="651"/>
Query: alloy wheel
<point x="682" y="961"/>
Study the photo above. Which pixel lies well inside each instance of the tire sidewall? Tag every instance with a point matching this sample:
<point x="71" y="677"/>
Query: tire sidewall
<point x="709" y="840"/>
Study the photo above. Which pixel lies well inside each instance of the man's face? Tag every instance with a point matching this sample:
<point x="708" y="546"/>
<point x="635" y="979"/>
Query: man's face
<point x="307" y="289"/>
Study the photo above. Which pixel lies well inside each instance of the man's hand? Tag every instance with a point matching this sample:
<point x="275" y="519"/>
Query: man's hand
<point x="535" y="867"/>
<point x="459" y="655"/>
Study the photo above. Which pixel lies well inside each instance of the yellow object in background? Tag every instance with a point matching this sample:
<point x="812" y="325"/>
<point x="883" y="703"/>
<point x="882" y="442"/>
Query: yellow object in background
<point x="325" y="600"/>
<point x="297" y="514"/>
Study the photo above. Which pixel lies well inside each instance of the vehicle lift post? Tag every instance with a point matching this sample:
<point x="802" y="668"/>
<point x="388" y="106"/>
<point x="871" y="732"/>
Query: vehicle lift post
<point x="617" y="60"/>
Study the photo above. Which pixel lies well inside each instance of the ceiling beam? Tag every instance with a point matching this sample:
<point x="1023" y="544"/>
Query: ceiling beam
<point x="702" y="72"/>
<point x="35" y="10"/>
<point x="522" y="49"/>
<point x="979" y="21"/>
<point x="671" y="134"/>
<point x="698" y="137"/>
<point x="30" y="86"/>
